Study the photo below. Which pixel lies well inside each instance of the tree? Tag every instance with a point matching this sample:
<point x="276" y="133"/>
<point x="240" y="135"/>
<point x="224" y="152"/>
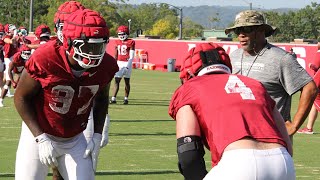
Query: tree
<point x="192" y="29"/>
<point x="165" y="28"/>
<point x="302" y="24"/>
<point x="144" y="16"/>
<point x="214" y="19"/>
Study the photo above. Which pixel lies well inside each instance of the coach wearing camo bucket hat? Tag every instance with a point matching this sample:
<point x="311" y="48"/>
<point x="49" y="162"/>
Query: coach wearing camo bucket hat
<point x="274" y="67"/>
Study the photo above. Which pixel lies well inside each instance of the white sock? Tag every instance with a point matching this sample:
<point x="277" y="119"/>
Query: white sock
<point x="113" y="98"/>
<point x="125" y="98"/>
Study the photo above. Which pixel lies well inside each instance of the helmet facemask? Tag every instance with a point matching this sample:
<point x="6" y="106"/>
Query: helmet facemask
<point x="59" y="27"/>
<point x="122" y="36"/>
<point x="25" y="55"/>
<point x="22" y="32"/>
<point x="12" y="29"/>
<point x="88" y="53"/>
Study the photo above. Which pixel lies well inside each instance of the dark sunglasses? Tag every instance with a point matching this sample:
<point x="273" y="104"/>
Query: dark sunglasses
<point x="245" y="29"/>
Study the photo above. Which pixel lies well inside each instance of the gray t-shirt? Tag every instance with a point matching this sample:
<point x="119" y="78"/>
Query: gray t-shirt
<point x="277" y="70"/>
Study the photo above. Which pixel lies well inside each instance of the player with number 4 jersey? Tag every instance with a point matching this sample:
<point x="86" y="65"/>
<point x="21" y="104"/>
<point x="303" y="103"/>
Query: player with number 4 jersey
<point x="233" y="116"/>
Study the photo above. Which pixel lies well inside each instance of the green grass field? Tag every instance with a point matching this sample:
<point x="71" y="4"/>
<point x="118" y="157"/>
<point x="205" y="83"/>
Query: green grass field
<point x="142" y="135"/>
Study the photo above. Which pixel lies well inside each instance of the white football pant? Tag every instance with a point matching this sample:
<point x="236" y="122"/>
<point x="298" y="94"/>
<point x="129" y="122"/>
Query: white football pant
<point x="71" y="164"/>
<point x="252" y="164"/>
<point x="6" y="73"/>
<point x="122" y="65"/>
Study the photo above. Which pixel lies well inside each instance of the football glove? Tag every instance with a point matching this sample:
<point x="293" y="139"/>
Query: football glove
<point x="47" y="153"/>
<point x="93" y="149"/>
<point x="105" y="132"/>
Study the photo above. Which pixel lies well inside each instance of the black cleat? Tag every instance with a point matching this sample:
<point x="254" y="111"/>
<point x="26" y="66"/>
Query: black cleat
<point x="125" y="101"/>
<point x="113" y="102"/>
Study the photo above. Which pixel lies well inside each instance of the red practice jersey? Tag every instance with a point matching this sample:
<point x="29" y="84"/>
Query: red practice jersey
<point x="1" y="50"/>
<point x="123" y="48"/>
<point x="18" y="63"/>
<point x="316" y="78"/>
<point x="64" y="104"/>
<point x="316" y="63"/>
<point x="10" y="49"/>
<point x="228" y="108"/>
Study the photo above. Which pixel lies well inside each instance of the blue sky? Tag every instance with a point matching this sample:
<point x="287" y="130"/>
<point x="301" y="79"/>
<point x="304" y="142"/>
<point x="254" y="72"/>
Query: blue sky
<point x="264" y="4"/>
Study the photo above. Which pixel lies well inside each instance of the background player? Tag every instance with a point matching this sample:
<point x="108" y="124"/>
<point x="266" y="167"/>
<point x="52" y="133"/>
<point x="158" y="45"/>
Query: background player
<point x="233" y="116"/>
<point x="10" y="48"/>
<point x="17" y="64"/>
<point x="42" y="33"/>
<point x="313" y="114"/>
<point x="124" y="53"/>
<point x="2" y="66"/>
<point x="54" y="97"/>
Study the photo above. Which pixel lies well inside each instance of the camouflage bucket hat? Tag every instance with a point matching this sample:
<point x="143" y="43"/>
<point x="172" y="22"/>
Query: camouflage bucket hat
<point x="251" y="18"/>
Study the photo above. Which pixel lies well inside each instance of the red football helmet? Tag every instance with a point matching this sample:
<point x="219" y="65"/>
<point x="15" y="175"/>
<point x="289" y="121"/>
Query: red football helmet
<point x="25" y="52"/>
<point x="43" y="31"/>
<point x="85" y="35"/>
<point x="123" y="32"/>
<point x="203" y="59"/>
<point x="9" y="28"/>
<point x="63" y="13"/>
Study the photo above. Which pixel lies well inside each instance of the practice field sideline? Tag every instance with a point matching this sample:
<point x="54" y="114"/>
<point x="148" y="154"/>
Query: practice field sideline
<point x="142" y="135"/>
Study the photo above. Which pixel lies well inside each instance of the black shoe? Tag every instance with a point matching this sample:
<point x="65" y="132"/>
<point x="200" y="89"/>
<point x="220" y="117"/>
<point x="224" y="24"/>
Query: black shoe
<point x="125" y="101"/>
<point x="113" y="102"/>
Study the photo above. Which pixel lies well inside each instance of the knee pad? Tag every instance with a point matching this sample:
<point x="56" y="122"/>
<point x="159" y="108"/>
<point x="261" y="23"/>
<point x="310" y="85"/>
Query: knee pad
<point x="190" y="154"/>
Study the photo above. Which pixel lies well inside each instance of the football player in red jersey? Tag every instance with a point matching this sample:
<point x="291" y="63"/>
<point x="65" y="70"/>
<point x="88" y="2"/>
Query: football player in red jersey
<point x="17" y="64"/>
<point x="57" y="89"/>
<point x="124" y="53"/>
<point x="233" y="116"/>
<point x="2" y="66"/>
<point x="42" y="34"/>
<point x="10" y="48"/>
<point x="63" y="12"/>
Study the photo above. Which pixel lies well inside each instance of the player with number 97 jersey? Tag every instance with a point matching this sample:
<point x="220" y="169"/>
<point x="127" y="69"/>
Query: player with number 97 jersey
<point x="66" y="96"/>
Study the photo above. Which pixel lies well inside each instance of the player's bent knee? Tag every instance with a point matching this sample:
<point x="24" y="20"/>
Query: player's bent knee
<point x="190" y="154"/>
